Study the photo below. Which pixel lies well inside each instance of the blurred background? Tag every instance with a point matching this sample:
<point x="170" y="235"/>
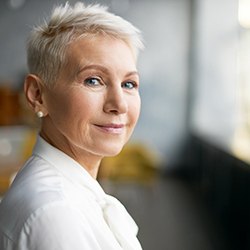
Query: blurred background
<point x="185" y="175"/>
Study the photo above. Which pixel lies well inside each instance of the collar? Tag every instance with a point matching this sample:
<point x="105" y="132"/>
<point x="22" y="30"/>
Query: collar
<point x="68" y="167"/>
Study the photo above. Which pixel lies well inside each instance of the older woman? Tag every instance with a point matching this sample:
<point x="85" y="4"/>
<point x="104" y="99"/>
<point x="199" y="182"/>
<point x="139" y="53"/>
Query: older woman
<point x="83" y="85"/>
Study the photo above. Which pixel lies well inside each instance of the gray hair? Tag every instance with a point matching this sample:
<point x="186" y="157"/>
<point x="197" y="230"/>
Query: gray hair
<point x="47" y="44"/>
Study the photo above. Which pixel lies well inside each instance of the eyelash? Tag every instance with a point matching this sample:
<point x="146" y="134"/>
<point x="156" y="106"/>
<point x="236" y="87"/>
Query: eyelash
<point x="133" y="85"/>
<point x="87" y="81"/>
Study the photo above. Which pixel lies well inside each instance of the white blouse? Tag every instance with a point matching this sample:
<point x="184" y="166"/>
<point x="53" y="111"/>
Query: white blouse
<point x="54" y="203"/>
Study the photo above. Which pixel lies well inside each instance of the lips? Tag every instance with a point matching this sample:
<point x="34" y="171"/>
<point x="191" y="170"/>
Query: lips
<point x="111" y="128"/>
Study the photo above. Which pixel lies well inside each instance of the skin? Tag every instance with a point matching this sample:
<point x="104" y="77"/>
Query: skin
<point x="93" y="108"/>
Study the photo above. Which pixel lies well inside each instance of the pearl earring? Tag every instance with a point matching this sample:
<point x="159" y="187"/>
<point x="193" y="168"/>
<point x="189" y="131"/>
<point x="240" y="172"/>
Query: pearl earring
<point x="39" y="114"/>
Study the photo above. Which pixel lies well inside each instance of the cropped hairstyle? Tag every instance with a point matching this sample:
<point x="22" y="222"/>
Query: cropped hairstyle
<point x="47" y="44"/>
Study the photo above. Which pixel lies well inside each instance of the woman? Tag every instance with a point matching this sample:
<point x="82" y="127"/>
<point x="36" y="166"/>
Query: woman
<point x="83" y="85"/>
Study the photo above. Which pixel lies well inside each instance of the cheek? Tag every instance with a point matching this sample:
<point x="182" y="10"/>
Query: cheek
<point x="79" y="110"/>
<point x="64" y="106"/>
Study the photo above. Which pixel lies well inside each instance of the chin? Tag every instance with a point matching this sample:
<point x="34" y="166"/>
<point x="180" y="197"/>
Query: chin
<point x="110" y="148"/>
<point x="112" y="151"/>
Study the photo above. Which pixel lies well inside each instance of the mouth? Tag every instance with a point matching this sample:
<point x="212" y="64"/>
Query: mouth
<point x="111" y="128"/>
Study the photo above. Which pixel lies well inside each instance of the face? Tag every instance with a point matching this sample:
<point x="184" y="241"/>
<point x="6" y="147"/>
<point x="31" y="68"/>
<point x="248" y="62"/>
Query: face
<point x="95" y="103"/>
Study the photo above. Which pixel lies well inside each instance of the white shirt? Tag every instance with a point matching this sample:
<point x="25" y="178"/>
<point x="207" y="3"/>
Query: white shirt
<point x="54" y="203"/>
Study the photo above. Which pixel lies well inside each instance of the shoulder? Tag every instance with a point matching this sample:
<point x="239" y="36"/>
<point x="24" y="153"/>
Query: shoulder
<point x="37" y="185"/>
<point x="56" y="225"/>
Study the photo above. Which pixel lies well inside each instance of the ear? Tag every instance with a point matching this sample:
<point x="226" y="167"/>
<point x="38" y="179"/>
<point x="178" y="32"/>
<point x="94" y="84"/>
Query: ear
<point x="33" y="90"/>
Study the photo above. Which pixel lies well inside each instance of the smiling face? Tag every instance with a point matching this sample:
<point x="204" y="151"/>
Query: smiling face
<point x="95" y="104"/>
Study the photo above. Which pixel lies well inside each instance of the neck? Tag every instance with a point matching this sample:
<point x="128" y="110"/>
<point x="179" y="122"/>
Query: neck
<point x="88" y="161"/>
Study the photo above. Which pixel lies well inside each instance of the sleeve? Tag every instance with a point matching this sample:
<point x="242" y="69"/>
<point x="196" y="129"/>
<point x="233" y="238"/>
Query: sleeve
<point x="59" y="227"/>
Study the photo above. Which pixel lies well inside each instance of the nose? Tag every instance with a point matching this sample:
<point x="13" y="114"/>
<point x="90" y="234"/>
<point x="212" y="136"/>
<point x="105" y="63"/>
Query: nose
<point x="115" y="101"/>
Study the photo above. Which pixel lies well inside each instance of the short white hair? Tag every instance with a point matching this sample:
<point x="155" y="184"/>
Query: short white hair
<point x="47" y="44"/>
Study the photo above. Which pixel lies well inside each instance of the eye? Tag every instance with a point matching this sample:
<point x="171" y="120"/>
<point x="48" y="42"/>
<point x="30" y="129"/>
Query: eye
<point x="129" y="85"/>
<point x="92" y="81"/>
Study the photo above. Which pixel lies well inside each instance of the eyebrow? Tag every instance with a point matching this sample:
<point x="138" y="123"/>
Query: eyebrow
<point x="105" y="70"/>
<point x="132" y="73"/>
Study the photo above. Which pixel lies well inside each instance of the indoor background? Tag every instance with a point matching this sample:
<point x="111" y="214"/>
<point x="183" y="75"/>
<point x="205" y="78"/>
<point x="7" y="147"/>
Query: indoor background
<point x="184" y="176"/>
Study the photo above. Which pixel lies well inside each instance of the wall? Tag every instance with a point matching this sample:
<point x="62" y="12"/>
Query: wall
<point x="214" y="71"/>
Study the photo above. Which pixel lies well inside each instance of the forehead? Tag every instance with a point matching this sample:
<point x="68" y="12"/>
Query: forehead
<point x="100" y="49"/>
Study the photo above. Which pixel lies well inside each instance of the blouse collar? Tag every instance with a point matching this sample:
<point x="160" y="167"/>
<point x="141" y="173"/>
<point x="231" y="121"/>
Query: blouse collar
<point x="68" y="167"/>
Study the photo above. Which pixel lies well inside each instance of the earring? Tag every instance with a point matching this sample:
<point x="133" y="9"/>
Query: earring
<point x="39" y="114"/>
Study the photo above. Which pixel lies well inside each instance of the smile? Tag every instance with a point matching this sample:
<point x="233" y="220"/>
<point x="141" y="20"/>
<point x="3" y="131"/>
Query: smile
<point x="111" y="128"/>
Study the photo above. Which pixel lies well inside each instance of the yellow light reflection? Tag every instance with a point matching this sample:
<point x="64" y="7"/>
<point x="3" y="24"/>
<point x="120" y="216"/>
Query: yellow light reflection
<point x="243" y="13"/>
<point x="241" y="142"/>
